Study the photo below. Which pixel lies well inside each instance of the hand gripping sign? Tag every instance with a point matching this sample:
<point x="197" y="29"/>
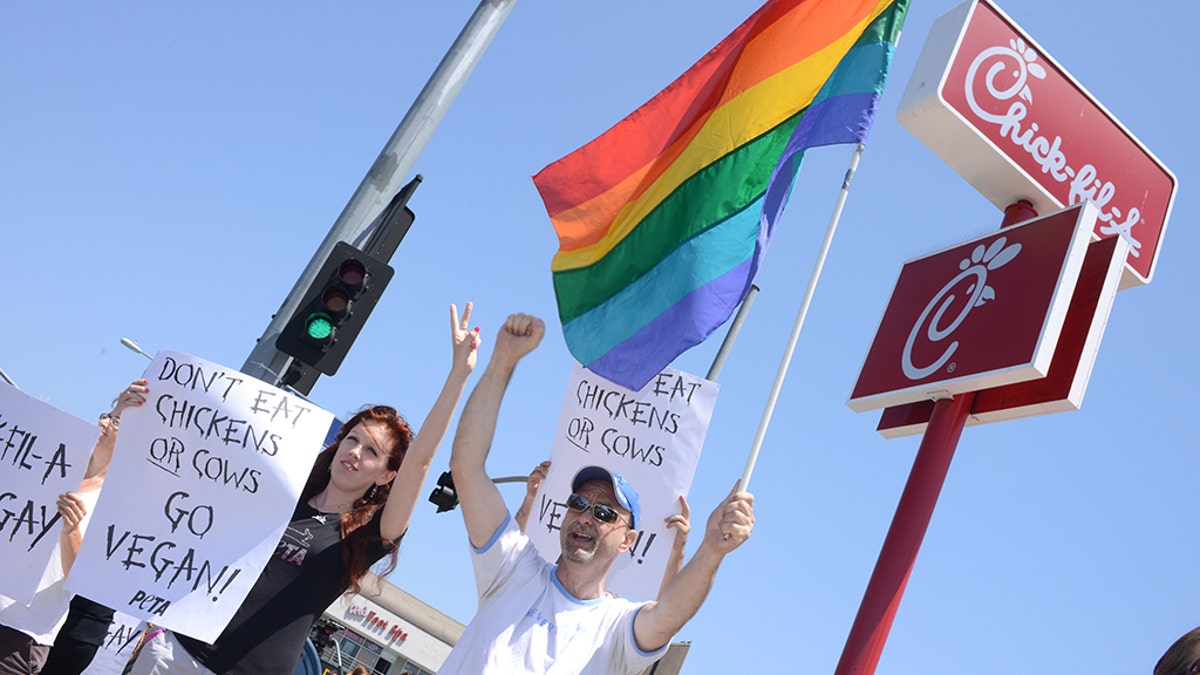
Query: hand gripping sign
<point x="43" y="453"/>
<point x="652" y="437"/>
<point x="203" y="481"/>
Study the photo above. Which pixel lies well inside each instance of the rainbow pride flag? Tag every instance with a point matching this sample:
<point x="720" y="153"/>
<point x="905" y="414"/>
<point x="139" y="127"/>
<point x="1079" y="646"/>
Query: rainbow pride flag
<point x="663" y="220"/>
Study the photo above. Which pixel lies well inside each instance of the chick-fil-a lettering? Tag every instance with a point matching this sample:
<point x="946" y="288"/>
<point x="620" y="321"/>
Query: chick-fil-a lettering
<point x="1015" y="124"/>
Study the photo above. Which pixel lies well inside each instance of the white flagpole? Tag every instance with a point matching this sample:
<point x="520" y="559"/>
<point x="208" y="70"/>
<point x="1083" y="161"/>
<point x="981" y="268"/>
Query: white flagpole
<point x="799" y="323"/>
<point x="735" y="327"/>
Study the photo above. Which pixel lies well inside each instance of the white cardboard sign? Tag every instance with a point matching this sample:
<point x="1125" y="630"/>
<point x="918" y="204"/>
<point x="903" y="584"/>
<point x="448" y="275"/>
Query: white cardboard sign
<point x="653" y="438"/>
<point x="203" y="481"/>
<point x="43" y="453"/>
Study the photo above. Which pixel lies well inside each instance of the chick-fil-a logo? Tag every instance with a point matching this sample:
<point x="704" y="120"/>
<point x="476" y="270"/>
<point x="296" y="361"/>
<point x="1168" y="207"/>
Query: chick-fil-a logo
<point x="975" y="269"/>
<point x="1018" y="62"/>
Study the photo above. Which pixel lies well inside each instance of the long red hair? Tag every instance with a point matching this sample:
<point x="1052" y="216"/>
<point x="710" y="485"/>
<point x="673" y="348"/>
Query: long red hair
<point x="357" y="540"/>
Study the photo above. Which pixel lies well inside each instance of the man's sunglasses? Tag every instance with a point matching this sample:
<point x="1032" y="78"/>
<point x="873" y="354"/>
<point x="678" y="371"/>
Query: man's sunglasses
<point x="602" y="513"/>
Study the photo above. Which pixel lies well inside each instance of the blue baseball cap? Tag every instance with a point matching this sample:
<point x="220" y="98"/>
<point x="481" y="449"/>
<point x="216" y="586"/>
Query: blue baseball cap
<point x="627" y="497"/>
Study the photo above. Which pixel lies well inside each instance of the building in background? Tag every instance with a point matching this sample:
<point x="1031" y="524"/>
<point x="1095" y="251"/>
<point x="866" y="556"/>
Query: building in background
<point x="385" y="629"/>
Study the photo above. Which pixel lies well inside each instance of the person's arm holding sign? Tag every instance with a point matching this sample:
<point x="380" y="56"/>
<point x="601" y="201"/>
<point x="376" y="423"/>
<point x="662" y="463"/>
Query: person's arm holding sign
<point x="682" y="526"/>
<point x="729" y="525"/>
<point x="70" y="505"/>
<point x="359" y="497"/>
<point x="411" y="477"/>
<point x="482" y="505"/>
<point x="531" y="488"/>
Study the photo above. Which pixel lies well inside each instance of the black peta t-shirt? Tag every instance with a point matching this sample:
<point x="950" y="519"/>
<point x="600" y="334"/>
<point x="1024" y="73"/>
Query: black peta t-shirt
<point x="300" y="581"/>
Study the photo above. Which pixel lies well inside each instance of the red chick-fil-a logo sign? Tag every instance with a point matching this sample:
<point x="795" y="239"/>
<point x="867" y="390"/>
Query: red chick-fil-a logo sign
<point x="981" y="314"/>
<point x="1000" y="111"/>
<point x="1016" y="124"/>
<point x="936" y="330"/>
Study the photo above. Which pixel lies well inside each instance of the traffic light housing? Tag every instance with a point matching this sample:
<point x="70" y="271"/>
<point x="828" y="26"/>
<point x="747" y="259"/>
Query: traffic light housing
<point x="333" y="310"/>
<point x="324" y="637"/>
<point x="444" y="495"/>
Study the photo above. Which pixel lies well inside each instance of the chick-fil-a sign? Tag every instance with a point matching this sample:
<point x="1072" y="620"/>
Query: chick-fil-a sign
<point x="1018" y="126"/>
<point x="984" y="313"/>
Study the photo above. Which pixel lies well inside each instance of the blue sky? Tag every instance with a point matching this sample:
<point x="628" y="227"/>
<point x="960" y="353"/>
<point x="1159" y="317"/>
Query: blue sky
<point x="167" y="170"/>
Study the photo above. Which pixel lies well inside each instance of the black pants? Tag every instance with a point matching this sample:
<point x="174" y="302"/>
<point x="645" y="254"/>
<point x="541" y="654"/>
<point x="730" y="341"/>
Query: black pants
<point x="19" y="654"/>
<point x="69" y="657"/>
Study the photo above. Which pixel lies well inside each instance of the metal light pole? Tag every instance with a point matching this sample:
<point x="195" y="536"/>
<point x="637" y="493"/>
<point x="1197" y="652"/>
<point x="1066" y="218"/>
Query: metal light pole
<point x="132" y="346"/>
<point x="388" y="172"/>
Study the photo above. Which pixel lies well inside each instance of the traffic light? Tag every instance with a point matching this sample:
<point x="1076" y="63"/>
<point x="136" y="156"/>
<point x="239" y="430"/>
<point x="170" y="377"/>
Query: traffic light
<point x="444" y="495"/>
<point x="324" y="637"/>
<point x="334" y="309"/>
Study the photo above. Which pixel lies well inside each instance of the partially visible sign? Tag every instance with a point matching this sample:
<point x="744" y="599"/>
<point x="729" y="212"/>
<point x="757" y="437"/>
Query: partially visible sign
<point x="43" y="453"/>
<point x="381" y="624"/>
<point x="1063" y="387"/>
<point x="653" y="438"/>
<point x="204" y="479"/>
<point x="123" y="635"/>
<point x="1002" y="113"/>
<point x="982" y="314"/>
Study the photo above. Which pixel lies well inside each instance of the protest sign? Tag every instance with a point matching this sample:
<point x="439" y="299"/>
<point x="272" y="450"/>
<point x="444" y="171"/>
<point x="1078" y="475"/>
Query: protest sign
<point x="118" y="646"/>
<point x="652" y="437"/>
<point x="43" y="453"/>
<point x="203" y="481"/>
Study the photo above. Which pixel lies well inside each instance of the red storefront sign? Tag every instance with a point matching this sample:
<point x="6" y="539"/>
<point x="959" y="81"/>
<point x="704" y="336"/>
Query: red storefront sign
<point x="1063" y="387"/>
<point x="376" y="624"/>
<point x="985" y="313"/>
<point x="988" y="100"/>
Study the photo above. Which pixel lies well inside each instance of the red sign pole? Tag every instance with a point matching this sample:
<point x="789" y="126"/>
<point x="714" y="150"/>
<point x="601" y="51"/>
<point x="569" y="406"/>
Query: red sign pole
<point x="899" y="552"/>
<point x="886" y="587"/>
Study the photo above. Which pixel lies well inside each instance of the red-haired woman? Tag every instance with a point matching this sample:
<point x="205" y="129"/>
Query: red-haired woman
<point x="359" y="498"/>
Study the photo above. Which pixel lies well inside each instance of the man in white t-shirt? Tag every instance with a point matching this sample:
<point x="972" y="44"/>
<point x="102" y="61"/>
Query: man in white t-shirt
<point x="535" y="617"/>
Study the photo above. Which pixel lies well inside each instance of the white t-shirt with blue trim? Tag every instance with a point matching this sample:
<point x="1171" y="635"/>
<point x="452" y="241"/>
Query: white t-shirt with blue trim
<point x="528" y="623"/>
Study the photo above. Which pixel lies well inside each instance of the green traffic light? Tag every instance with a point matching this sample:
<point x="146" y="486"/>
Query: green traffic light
<point x="319" y="327"/>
